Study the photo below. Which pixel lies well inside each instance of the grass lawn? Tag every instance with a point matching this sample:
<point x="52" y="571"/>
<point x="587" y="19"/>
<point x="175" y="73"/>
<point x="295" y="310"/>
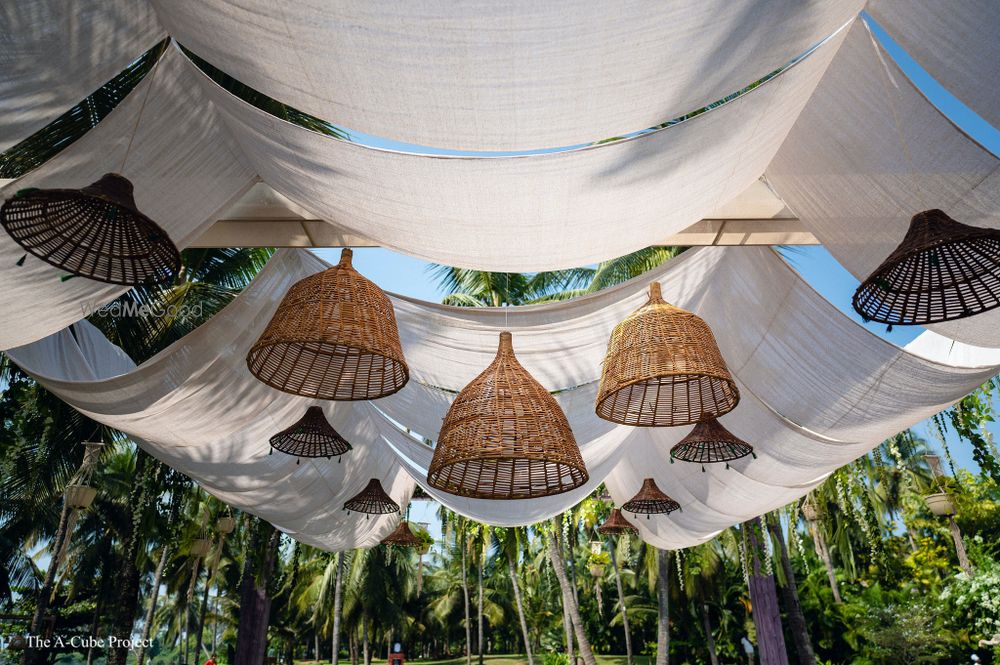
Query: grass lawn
<point x="494" y="659"/>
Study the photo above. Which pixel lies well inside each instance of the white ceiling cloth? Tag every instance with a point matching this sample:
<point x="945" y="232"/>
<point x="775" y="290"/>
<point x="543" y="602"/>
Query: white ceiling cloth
<point x="185" y="169"/>
<point x="818" y="391"/>
<point x="956" y="43"/>
<point x="867" y="153"/>
<point x="537" y="212"/>
<point x="54" y="53"/>
<point x="515" y="75"/>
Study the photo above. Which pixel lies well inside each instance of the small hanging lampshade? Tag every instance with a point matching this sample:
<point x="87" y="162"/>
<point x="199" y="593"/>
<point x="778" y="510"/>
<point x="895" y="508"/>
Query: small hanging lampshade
<point x="505" y="437"/>
<point x="334" y="337"/>
<point x="402" y="536"/>
<point x="200" y="547"/>
<point x="663" y="368"/>
<point x="225" y="525"/>
<point x="943" y="270"/>
<point x="710" y="442"/>
<point x="616" y="525"/>
<point x="95" y="232"/>
<point x="372" y="500"/>
<point x="311" y="436"/>
<point x="79" y="496"/>
<point x="650" y="501"/>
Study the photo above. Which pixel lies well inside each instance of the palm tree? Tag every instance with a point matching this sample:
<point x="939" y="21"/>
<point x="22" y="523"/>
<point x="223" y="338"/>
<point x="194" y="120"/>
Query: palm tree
<point x="789" y="590"/>
<point x="569" y="600"/>
<point x="509" y="542"/>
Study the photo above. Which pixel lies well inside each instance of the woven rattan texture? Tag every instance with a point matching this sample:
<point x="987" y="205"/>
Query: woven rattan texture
<point x="333" y="336"/>
<point x="402" y="537"/>
<point x="650" y="501"/>
<point x="710" y="442"/>
<point x="943" y="270"/>
<point x="372" y="500"/>
<point x="663" y="368"/>
<point x="311" y="436"/>
<point x="616" y="525"/>
<point x="505" y="437"/>
<point x="95" y="232"/>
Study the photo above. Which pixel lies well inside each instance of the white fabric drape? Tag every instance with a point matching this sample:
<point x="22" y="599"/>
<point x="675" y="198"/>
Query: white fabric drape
<point x="531" y="212"/>
<point x="956" y="43"/>
<point x="185" y="169"/>
<point x="867" y="153"/>
<point x="818" y="391"/>
<point x="514" y="75"/>
<point x="54" y="53"/>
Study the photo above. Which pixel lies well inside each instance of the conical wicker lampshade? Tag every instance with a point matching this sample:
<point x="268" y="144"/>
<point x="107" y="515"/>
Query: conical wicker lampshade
<point x="663" y="368"/>
<point x="505" y="437"/>
<point x="943" y="270"/>
<point x="311" y="436"/>
<point x="334" y="336"/>
<point x="650" y="501"/>
<point x="402" y="536"/>
<point x="372" y="500"/>
<point x="95" y="232"/>
<point x="710" y="442"/>
<point x="616" y="525"/>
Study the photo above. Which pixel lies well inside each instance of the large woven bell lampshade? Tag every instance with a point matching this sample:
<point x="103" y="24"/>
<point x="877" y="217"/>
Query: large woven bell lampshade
<point x="311" y="436"/>
<point x="333" y="336"/>
<point x="943" y="270"/>
<point x="616" y="525"/>
<point x="709" y="442"/>
<point x="505" y="437"/>
<point x="663" y="368"/>
<point x="650" y="500"/>
<point x="402" y="536"/>
<point x="96" y="232"/>
<point x="372" y="500"/>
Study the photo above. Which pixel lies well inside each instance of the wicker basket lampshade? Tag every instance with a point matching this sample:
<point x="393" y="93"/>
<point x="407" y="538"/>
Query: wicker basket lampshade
<point x="650" y="501"/>
<point x="96" y="232"/>
<point x="943" y="270"/>
<point x="333" y="336"/>
<point x="311" y="436"/>
<point x="402" y="536"/>
<point x="709" y="443"/>
<point x="79" y="496"/>
<point x="616" y="525"/>
<point x="200" y="547"/>
<point x="505" y="437"/>
<point x="372" y="500"/>
<point x="225" y="525"/>
<point x="663" y="368"/>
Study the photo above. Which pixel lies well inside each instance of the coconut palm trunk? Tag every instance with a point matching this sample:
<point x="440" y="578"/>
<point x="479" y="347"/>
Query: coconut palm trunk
<point x="663" y="607"/>
<point x="479" y="611"/>
<point x="796" y="618"/>
<point x="365" y="650"/>
<point x="338" y="606"/>
<point x="612" y="548"/>
<point x="203" y="615"/>
<point x="39" y="656"/>
<point x="465" y="597"/>
<point x="255" y="598"/>
<point x="569" y="601"/>
<point x="764" y="599"/>
<point x="147" y="622"/>
<point x="512" y="571"/>
<point x="713" y="656"/>
<point x="823" y="552"/>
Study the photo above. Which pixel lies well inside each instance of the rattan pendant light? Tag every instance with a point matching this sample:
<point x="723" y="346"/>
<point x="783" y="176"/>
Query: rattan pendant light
<point x="709" y="443"/>
<point x="402" y="536"/>
<point x="616" y="525"/>
<point x="311" y="436"/>
<point x="372" y="500"/>
<point x="943" y="270"/>
<point x="650" y="501"/>
<point x="505" y="437"/>
<point x="663" y="368"/>
<point x="333" y="336"/>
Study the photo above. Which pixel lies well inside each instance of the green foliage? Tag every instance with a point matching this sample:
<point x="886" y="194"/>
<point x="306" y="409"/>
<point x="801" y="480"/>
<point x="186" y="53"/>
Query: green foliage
<point x="555" y="659"/>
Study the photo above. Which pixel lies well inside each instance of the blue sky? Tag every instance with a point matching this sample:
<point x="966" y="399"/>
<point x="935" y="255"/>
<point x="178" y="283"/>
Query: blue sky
<point x="409" y="276"/>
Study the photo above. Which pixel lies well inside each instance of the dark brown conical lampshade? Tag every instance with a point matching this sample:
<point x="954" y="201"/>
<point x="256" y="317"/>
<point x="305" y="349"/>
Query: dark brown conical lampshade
<point x="650" y="501"/>
<point x="943" y="270"/>
<point x="334" y="336"/>
<point x="710" y="442"/>
<point x="663" y="368"/>
<point x="96" y="232"/>
<point x="505" y="437"/>
<point x="372" y="500"/>
<point x="616" y="525"/>
<point x="402" y="536"/>
<point x="311" y="436"/>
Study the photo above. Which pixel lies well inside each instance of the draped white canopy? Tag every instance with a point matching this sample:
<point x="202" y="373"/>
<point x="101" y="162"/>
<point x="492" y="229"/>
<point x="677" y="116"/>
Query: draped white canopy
<point x="818" y="391"/>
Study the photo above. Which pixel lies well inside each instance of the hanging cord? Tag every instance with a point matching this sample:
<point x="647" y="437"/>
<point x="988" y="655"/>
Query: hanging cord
<point x="142" y="108"/>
